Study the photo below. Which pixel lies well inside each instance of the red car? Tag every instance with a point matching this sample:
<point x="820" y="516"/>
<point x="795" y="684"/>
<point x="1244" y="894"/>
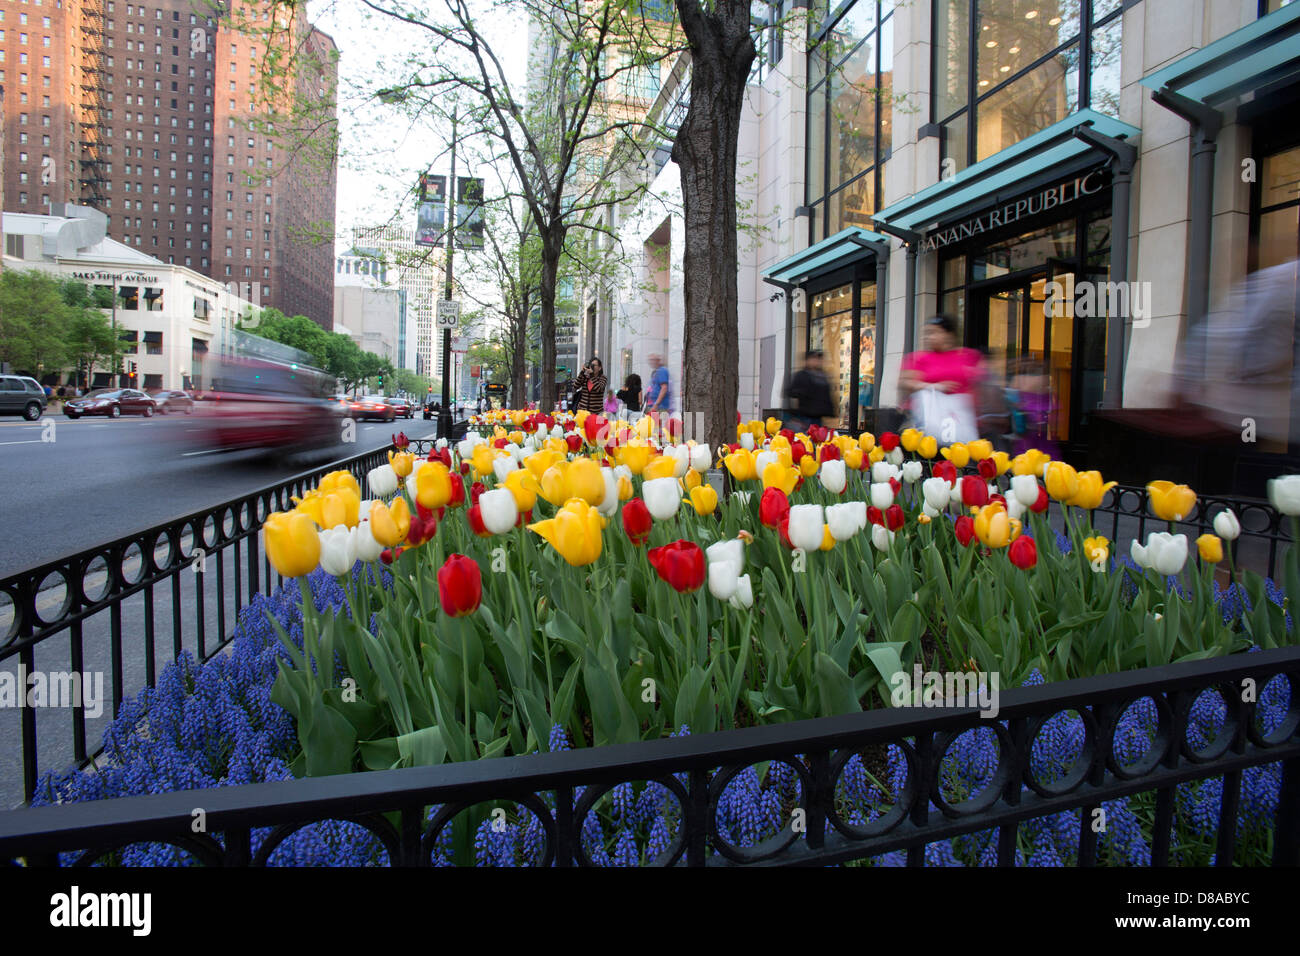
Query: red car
<point x="261" y="404"/>
<point x="111" y="403"/>
<point x="402" y="407"/>
<point x="371" y="408"/>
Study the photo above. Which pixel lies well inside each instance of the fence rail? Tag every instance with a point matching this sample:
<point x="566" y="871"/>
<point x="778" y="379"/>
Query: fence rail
<point x="89" y="596"/>
<point x="561" y="789"/>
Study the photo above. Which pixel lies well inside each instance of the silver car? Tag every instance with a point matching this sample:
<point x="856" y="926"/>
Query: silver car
<point x="20" y="395"/>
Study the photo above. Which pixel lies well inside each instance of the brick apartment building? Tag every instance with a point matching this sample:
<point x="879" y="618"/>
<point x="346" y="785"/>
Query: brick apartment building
<point x="150" y="113"/>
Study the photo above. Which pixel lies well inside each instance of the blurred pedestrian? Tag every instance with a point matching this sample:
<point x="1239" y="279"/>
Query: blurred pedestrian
<point x="940" y="382"/>
<point x="590" y="387"/>
<point x="1034" y="408"/>
<point x="630" y="396"/>
<point x="993" y="414"/>
<point x="611" y="403"/>
<point x="659" y="396"/>
<point x="808" y="396"/>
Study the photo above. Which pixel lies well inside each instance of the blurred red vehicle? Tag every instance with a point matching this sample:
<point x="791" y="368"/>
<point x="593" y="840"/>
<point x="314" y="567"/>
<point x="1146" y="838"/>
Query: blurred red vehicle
<point x="262" y="403"/>
<point x="371" y="408"/>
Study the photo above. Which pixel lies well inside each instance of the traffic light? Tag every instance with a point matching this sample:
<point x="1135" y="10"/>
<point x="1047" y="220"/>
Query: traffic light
<point x="430" y="389"/>
<point x="381" y="381"/>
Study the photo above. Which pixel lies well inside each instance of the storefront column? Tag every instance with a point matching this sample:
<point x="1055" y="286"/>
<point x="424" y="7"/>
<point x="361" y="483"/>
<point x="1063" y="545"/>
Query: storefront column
<point x="1205" y="123"/>
<point x="1123" y="158"/>
<point x="912" y="240"/>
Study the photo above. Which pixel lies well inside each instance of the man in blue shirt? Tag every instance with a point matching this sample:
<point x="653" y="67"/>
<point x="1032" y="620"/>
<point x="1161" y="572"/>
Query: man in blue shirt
<point x="659" y="396"/>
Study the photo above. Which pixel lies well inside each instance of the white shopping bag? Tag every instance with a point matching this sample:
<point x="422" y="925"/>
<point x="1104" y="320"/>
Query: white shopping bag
<point x="949" y="417"/>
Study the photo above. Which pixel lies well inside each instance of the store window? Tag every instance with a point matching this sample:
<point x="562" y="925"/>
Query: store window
<point x="850" y="79"/>
<point x="1005" y="69"/>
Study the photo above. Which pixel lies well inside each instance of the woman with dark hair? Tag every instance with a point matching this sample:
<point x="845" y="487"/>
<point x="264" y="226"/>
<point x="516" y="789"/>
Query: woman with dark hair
<point x="941" y="380"/>
<point x="630" y="394"/>
<point x="591" y="385"/>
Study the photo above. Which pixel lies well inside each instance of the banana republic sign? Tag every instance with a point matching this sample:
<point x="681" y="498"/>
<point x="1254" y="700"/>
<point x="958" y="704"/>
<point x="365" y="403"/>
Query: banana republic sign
<point x="1055" y="196"/>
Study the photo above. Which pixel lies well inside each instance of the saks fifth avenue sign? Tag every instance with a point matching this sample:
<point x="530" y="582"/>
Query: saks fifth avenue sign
<point x="110" y="276"/>
<point x="1053" y="197"/>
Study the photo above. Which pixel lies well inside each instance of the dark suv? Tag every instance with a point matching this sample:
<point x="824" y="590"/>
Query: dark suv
<point x="20" y="395"/>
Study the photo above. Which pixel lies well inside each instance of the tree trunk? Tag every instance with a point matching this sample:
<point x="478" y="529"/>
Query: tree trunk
<point x="552" y="246"/>
<point x="722" y="51"/>
<point x="519" y="348"/>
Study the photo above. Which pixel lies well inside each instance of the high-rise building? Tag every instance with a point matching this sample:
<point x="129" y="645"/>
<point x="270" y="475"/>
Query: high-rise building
<point x="419" y="271"/>
<point x="150" y="113"/>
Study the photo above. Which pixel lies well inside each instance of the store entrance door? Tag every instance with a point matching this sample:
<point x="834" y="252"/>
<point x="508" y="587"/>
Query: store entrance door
<point x="1032" y="353"/>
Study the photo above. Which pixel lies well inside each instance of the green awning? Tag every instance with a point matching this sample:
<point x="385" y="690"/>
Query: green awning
<point x="833" y="252"/>
<point x="1051" y="153"/>
<point x="1260" y="54"/>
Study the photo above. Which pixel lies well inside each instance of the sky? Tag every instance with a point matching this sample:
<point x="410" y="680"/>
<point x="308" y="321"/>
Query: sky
<point x="381" y="153"/>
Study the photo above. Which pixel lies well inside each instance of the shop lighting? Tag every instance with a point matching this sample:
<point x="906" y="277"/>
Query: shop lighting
<point x="1031" y="14"/>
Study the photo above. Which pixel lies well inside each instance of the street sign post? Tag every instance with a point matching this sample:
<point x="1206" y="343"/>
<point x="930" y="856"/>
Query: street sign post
<point x="448" y="313"/>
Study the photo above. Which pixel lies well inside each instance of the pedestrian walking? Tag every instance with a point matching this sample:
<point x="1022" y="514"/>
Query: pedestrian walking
<point x="630" y="396"/>
<point x="590" y="386"/>
<point x="993" y="413"/>
<point x="659" y="396"/>
<point x="808" y="396"/>
<point x="611" y="403"/>
<point x="941" y="381"/>
<point x="1034" y="408"/>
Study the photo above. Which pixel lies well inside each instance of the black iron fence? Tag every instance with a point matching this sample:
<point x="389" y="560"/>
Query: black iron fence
<point x="176" y="586"/>
<point x="561" y="789"/>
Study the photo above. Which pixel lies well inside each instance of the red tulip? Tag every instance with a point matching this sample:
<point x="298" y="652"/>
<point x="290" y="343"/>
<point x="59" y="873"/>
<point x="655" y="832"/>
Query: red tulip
<point x="1000" y="499"/>
<point x="818" y="433"/>
<point x="829" y="452"/>
<point x="475" y="490"/>
<point x="889" y="441"/>
<point x="594" y="426"/>
<point x="424" y="524"/>
<point x="894" y="484"/>
<point x="894" y="517"/>
<point x="401" y="441"/>
<point x="964" y="529"/>
<point x="681" y="564"/>
<point x="773" y="507"/>
<point x="460" y="586"/>
<point x="787" y="434"/>
<point x="797" y="451"/>
<point x="1039" y="506"/>
<point x="875" y="515"/>
<point x="637" y="521"/>
<point x="674" y="429"/>
<point x="389" y="555"/>
<point x="974" y="492"/>
<point x="500" y="443"/>
<point x="784" y="529"/>
<point x="475" y="518"/>
<point x="464" y="468"/>
<point x="574" y="442"/>
<point x="443" y="455"/>
<point x="1023" y="552"/>
<point x="988" y="469"/>
<point x="945" y="470"/>
<point x="457" y="491"/>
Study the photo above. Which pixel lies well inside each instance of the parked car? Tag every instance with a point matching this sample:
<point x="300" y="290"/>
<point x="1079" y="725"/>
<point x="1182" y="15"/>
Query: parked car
<point x="111" y="403"/>
<point x="431" y="410"/>
<point x="172" y="401"/>
<point x="402" y="407"/>
<point x="371" y="408"/>
<point x="20" y="395"/>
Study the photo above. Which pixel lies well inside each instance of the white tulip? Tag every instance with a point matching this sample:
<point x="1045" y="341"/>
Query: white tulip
<point x="993" y="490"/>
<point x="895" y="457"/>
<point x="937" y="493"/>
<point x="859" y="512"/>
<point x="440" y="444"/>
<point x="833" y="476"/>
<point x="747" y="441"/>
<point x="744" y="596"/>
<point x="1164" y="553"/>
<point x="912" y="471"/>
<point x="882" y="494"/>
<point x="1226" y="525"/>
<point x="465" y="448"/>
<point x="702" y="458"/>
<point x="723" y="579"/>
<point x="954" y="494"/>
<point x="762" y="460"/>
<point x="928" y="511"/>
<point x="842" y="519"/>
<point x="381" y="481"/>
<point x="609" y="503"/>
<point x="806" y="526"/>
<point x="498" y="510"/>
<point x="662" y="496"/>
<point x="368" y="549"/>
<point x="883" y="471"/>
<point x="1025" y="489"/>
<point x="502" y="466"/>
<point x="681" y="456"/>
<point x="733" y="550"/>
<point x="337" y="550"/>
<point x="1284" y="494"/>
<point x="622" y="471"/>
<point x="881" y="537"/>
<point x="1014" y="508"/>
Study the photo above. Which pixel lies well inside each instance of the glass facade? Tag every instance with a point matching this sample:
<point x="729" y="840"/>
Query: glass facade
<point x="842" y="326"/>
<point x="850" y="79"/>
<point x="1005" y="69"/>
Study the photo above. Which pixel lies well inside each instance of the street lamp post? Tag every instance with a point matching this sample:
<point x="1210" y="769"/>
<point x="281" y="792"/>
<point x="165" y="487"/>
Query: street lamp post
<point x="444" y="416"/>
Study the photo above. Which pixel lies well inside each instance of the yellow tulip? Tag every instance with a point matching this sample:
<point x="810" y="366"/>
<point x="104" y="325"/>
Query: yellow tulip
<point x="923" y="518"/>
<point x="877" y="454"/>
<point x="557" y="445"/>
<point x="777" y="475"/>
<point x="402" y="462"/>
<point x="704" y="499"/>
<point x="516" y="436"/>
<point x="482" y="460"/>
<point x="691" y="479"/>
<point x="1030" y="462"/>
<point x="390" y="524"/>
<point x="524" y="486"/>
<point x="1096" y="549"/>
<point x="661" y="466"/>
<point x="644" y="426"/>
<point x="741" y="465"/>
<point x="844" y="443"/>
<point x="807" y="466"/>
<point x="1210" y="548"/>
<point x="910" y="438"/>
<point x="433" y="486"/>
<point x="1091" y="490"/>
<point x="539" y="461"/>
<point x="624" y="488"/>
<point x="1015" y="528"/>
<point x="993" y="526"/>
<point x="773" y="426"/>
<point x="979" y="449"/>
<point x="585" y="481"/>
<point x="1062" y="480"/>
<point x="581" y="417"/>
<point x="866" y="441"/>
<point x="291" y="542"/>
<point x="341" y="508"/>
<point x="1171" y="502"/>
<point x="828" y="540"/>
<point x="957" y="453"/>
<point x="574" y="532"/>
<point x="340" y="481"/>
<point x="778" y="443"/>
<point x="758" y="430"/>
<point x="1002" y="460"/>
<point x="853" y="458"/>
<point x="636" y="455"/>
<point x="927" y="447"/>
